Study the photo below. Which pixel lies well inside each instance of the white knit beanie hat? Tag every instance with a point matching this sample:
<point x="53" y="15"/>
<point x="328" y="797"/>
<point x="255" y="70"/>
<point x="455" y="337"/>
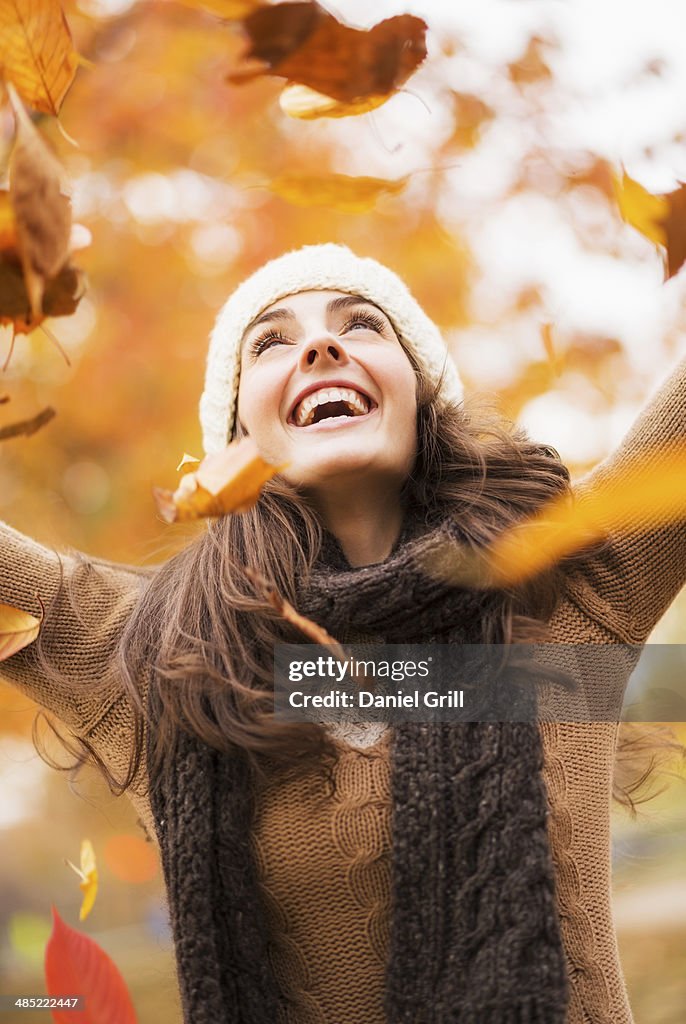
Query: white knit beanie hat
<point x="327" y="267"/>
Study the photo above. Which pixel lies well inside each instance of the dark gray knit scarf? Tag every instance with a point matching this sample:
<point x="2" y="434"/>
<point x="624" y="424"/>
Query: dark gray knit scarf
<point x="474" y="936"/>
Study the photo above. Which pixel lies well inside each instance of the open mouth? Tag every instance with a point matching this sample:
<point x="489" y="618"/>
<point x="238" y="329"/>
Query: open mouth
<point x="332" y="403"/>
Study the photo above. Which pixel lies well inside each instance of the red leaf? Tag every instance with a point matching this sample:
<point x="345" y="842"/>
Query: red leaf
<point x="76" y="966"/>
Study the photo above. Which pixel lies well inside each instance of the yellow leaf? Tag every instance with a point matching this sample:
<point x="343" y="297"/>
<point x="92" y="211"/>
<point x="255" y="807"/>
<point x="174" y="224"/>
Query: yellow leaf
<point x="303" y="102"/>
<point x="340" y="191"/>
<point x="17" y="630"/>
<point x="644" y="498"/>
<point x="185" y="459"/>
<point x="224" y="482"/>
<point x="88" y="873"/>
<point x="37" y="52"/>
<point x="645" y="212"/>
<point x="42" y="213"/>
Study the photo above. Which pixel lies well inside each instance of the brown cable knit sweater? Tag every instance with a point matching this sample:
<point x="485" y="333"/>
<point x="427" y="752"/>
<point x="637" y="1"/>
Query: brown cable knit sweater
<point x="323" y="861"/>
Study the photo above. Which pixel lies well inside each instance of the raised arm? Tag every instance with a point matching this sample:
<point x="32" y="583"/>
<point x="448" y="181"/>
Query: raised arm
<point x="633" y="583"/>
<point x="80" y="631"/>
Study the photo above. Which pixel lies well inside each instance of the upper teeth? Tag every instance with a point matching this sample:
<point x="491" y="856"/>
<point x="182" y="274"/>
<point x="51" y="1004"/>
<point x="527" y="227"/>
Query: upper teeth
<point x="304" y="413"/>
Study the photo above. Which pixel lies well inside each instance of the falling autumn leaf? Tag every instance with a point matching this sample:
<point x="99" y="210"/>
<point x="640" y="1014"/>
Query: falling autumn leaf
<point x="307" y="104"/>
<point x="62" y="295"/>
<point x="305" y="44"/>
<point x="340" y="191"/>
<point x="88" y="873"/>
<point x="645" y="212"/>
<point x="317" y="634"/>
<point x="24" y="428"/>
<point x="224" y="482"/>
<point x="531" y="66"/>
<point x="17" y="630"/>
<point x="76" y="965"/>
<point x="660" y="218"/>
<point x="42" y="212"/>
<point x="645" y="497"/>
<point x="38" y="56"/>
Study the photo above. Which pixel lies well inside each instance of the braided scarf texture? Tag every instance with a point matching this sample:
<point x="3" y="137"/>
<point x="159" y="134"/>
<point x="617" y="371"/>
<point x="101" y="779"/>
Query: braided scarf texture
<point x="475" y="935"/>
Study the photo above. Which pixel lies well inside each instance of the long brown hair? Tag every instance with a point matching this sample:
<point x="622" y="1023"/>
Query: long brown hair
<point x="201" y="638"/>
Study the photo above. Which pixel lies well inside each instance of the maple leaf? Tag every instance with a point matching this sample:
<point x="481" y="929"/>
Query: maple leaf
<point x="340" y="191"/>
<point x="18" y="629"/>
<point x="75" y="963"/>
<point x="88" y="873"/>
<point x="224" y="482"/>
<point x="38" y="56"/>
<point x="42" y="213"/>
<point x="305" y="44"/>
<point x="660" y="218"/>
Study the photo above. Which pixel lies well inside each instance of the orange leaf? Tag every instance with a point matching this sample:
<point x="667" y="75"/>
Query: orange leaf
<point x="304" y="43"/>
<point x="62" y="295"/>
<point x="37" y="52"/>
<point x="224" y="482"/>
<point x="75" y="965"/>
<point x="340" y="191"/>
<point x="317" y="634"/>
<point x="42" y="213"/>
<point x="17" y="630"/>
<point x="643" y="498"/>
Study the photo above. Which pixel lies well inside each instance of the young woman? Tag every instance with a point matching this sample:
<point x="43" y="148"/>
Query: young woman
<point x="420" y="873"/>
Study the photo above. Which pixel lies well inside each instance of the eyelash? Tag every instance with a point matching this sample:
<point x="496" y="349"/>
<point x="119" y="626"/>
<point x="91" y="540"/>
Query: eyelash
<point x="272" y="334"/>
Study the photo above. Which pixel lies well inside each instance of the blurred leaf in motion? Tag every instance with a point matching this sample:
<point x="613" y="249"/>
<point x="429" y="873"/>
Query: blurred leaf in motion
<point x="339" y="191"/>
<point x="88" y="873"/>
<point x="305" y="44"/>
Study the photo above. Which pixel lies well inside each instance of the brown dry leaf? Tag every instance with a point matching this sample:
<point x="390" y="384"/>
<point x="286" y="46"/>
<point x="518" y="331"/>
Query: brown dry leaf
<point x="227" y="481"/>
<point x="42" y="213"/>
<point x="17" y="630"/>
<point x="339" y="191"/>
<point x="660" y="218"/>
<point x="38" y="56"/>
<point x="644" y="498"/>
<point x="62" y="296"/>
<point x="304" y="43"/>
<point x="24" y="428"/>
<point x="307" y="104"/>
<point x="317" y="634"/>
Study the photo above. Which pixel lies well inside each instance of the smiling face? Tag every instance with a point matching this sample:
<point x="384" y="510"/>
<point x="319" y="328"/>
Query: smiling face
<point x="326" y="387"/>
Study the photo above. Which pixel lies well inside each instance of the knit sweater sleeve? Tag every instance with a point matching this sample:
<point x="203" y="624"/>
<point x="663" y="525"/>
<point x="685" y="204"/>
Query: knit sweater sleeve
<point x="84" y="620"/>
<point x="631" y="584"/>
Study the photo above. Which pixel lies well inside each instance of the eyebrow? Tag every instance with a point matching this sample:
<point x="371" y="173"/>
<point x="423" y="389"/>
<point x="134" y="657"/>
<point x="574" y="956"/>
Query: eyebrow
<point x="335" y="306"/>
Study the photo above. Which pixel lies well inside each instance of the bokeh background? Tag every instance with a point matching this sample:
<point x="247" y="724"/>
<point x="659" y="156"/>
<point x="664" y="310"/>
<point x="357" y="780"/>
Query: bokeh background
<point x="508" y="136"/>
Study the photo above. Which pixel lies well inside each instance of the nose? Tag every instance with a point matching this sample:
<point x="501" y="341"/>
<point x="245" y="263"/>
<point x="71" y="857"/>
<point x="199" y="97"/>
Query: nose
<point x="322" y="350"/>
